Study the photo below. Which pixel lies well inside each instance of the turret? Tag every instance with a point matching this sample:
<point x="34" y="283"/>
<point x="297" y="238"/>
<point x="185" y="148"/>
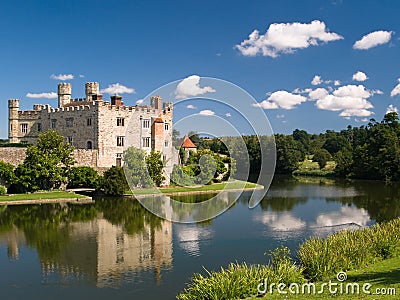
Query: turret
<point x="91" y="88"/>
<point x="13" y="108"/>
<point x="64" y="94"/>
<point x="156" y="102"/>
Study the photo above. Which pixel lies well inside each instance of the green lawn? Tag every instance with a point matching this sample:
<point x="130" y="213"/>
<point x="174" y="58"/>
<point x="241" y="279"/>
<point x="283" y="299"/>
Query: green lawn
<point x="382" y="275"/>
<point x="237" y="184"/>
<point x="41" y="196"/>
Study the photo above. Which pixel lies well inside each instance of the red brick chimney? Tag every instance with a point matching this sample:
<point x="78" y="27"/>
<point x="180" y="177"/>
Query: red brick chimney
<point x="117" y="101"/>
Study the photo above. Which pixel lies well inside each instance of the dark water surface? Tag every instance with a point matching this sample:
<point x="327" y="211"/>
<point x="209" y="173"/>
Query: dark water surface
<point x="115" y="249"/>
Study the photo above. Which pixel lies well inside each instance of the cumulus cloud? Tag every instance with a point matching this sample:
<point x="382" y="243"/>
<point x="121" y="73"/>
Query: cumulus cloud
<point x="316" y="80"/>
<point x="117" y="88"/>
<point x="351" y="100"/>
<point x="360" y="76"/>
<point x="191" y="106"/>
<point x="62" y="77"/>
<point x="336" y="82"/>
<point x="286" y="38"/>
<point x="392" y="108"/>
<point x="281" y="99"/>
<point x="300" y="91"/>
<point x="373" y="39"/>
<point x="50" y="95"/>
<point x="396" y="90"/>
<point x="190" y="87"/>
<point x="207" y="112"/>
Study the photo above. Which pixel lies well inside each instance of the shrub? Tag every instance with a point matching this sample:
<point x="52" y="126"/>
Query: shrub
<point x="7" y="175"/>
<point x="321" y="157"/>
<point x="83" y="177"/>
<point x="114" y="182"/>
<point x="3" y="190"/>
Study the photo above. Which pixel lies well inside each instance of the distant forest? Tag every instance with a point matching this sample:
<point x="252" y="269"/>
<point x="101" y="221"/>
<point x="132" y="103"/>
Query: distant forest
<point x="366" y="152"/>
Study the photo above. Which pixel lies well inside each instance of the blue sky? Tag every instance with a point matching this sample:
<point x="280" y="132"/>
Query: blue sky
<point x="142" y="45"/>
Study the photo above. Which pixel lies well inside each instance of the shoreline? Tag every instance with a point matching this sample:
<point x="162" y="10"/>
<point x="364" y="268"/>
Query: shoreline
<point x="85" y="200"/>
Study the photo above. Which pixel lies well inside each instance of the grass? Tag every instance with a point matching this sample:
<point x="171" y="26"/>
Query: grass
<point x="381" y="275"/>
<point x="311" y="168"/>
<point x="41" y="196"/>
<point x="237" y="184"/>
<point x="366" y="255"/>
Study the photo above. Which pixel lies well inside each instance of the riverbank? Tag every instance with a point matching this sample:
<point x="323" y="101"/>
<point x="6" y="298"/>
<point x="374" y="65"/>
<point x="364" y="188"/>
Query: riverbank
<point x="357" y="252"/>
<point x="44" y="197"/>
<point x="231" y="186"/>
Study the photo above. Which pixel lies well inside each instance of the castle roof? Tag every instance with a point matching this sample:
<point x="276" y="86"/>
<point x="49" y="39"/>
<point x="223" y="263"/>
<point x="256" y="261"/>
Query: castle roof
<point x="187" y="143"/>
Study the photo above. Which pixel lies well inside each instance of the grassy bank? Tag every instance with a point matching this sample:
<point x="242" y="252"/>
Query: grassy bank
<point x="232" y="185"/>
<point x="41" y="196"/>
<point x="311" y="168"/>
<point x="320" y="260"/>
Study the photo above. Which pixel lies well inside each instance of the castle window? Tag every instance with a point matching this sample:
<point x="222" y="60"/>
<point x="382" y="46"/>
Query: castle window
<point x="89" y="145"/>
<point x="24" y="128"/>
<point x="120" y="121"/>
<point x="118" y="160"/>
<point x="120" y="140"/>
<point x="89" y="121"/>
<point x="53" y="123"/>
<point x="164" y="158"/>
<point x="146" y="123"/>
<point x="69" y="140"/>
<point x="69" y="122"/>
<point x="39" y="127"/>
<point x="166" y="144"/>
<point x="166" y="126"/>
<point x="146" y="142"/>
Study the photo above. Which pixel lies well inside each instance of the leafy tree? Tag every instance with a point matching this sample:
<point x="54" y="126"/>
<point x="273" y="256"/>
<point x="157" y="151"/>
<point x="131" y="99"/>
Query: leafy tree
<point x="83" y="177"/>
<point x="114" y="182"/>
<point x="288" y="154"/>
<point x="321" y="157"/>
<point x="155" y="167"/>
<point x="47" y="163"/>
<point x="135" y="168"/>
<point x="7" y="176"/>
<point x="344" y="162"/>
<point x="3" y="190"/>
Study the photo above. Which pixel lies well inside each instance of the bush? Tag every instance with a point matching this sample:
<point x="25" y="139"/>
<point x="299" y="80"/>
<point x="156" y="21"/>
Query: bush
<point x="114" y="182"/>
<point x="83" y="177"/>
<point x="3" y="190"/>
<point x="322" y="156"/>
<point x="7" y="175"/>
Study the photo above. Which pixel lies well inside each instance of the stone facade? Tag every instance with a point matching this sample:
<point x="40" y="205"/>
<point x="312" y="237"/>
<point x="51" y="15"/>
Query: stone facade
<point x="99" y="129"/>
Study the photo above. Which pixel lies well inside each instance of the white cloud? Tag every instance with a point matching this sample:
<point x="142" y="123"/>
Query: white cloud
<point x="190" y="87"/>
<point x="286" y="38"/>
<point x="117" y="88"/>
<point x="207" y="112"/>
<point x="62" y="76"/>
<point x="281" y="99"/>
<point x="81" y="76"/>
<point x="396" y="90"/>
<point x="50" y="95"/>
<point x="316" y="80"/>
<point x="140" y="101"/>
<point x="364" y="120"/>
<point x="280" y="116"/>
<point x="228" y="115"/>
<point x="318" y="93"/>
<point x="300" y="91"/>
<point x="373" y="39"/>
<point x="360" y="76"/>
<point x="191" y="106"/>
<point x="351" y="100"/>
<point x="392" y="108"/>
<point x="336" y="82"/>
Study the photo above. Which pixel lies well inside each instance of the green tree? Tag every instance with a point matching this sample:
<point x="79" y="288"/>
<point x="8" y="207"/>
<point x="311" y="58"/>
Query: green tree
<point x="135" y="168"/>
<point x="7" y="176"/>
<point x="288" y="154"/>
<point x="83" y="177"/>
<point x="321" y="157"/>
<point x="47" y="163"/>
<point x="344" y="162"/>
<point x="114" y="182"/>
<point x="155" y="167"/>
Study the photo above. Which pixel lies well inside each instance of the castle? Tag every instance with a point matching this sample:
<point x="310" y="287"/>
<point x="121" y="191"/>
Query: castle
<point x="96" y="128"/>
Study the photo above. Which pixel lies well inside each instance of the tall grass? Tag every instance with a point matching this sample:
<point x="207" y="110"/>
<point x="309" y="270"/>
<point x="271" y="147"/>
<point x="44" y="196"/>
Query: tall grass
<point x="239" y="281"/>
<point x="349" y="249"/>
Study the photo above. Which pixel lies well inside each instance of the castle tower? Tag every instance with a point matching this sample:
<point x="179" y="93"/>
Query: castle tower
<point x="91" y="88"/>
<point x="156" y="102"/>
<point x="64" y="94"/>
<point x="13" y="108"/>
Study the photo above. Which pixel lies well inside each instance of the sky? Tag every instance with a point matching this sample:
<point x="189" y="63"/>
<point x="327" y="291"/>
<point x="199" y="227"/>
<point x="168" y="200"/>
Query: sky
<point x="312" y="65"/>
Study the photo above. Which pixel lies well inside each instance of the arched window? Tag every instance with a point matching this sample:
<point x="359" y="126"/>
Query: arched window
<point x="89" y="145"/>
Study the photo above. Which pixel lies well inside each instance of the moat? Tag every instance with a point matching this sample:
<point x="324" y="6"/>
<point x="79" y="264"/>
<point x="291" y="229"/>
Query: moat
<point x="115" y="249"/>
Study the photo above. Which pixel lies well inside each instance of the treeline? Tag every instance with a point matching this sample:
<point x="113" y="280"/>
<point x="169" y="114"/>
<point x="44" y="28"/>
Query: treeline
<point x="370" y="151"/>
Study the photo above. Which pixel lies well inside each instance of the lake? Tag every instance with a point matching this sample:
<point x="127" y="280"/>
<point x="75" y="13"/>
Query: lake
<point x="115" y="249"/>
